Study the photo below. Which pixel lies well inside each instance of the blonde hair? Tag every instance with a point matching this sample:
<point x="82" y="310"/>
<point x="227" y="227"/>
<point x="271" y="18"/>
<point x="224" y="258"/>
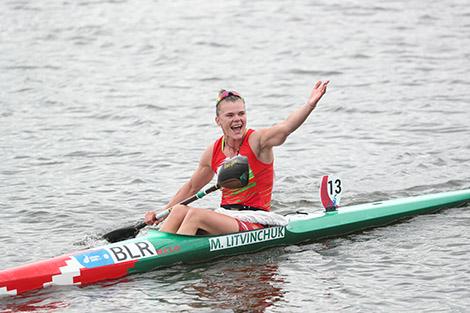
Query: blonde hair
<point x="227" y="95"/>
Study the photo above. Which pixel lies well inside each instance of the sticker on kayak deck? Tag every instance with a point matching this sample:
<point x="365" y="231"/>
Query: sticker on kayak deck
<point x="118" y="253"/>
<point x="132" y="251"/>
<point x="246" y="238"/>
<point x="330" y="191"/>
<point x="94" y="258"/>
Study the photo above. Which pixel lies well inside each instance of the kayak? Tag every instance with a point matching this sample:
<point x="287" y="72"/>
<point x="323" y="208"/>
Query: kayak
<point x="158" y="249"/>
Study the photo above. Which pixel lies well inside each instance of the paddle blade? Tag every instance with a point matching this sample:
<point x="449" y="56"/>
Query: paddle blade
<point x="234" y="173"/>
<point x="123" y="233"/>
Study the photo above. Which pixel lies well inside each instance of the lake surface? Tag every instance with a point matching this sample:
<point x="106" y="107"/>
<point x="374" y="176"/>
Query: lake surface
<point x="106" y="106"/>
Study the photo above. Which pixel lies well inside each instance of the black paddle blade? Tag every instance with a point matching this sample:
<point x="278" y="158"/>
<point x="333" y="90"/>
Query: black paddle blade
<point x="123" y="233"/>
<point x="234" y="173"/>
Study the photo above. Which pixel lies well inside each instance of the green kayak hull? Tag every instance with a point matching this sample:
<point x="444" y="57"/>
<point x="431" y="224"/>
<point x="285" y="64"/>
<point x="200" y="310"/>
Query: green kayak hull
<point x="301" y="229"/>
<point x="158" y="249"/>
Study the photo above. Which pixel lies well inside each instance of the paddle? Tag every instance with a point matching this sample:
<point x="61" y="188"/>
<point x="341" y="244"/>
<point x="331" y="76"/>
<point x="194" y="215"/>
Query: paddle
<point x="234" y="173"/>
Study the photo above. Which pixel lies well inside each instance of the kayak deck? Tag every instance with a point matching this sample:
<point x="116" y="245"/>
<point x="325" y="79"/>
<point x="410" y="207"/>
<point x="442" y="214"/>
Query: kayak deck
<point x="358" y="217"/>
<point x="157" y="249"/>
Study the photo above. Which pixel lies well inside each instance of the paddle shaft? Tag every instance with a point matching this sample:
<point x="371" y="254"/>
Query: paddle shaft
<point x="232" y="174"/>
<point x="198" y="195"/>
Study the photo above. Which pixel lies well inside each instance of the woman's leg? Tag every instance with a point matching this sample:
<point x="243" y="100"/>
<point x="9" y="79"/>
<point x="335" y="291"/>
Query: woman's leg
<point x="207" y="220"/>
<point x="173" y="221"/>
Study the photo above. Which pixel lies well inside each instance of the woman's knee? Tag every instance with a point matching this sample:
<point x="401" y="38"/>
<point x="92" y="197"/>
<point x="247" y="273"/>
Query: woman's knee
<point x="179" y="210"/>
<point x="194" y="214"/>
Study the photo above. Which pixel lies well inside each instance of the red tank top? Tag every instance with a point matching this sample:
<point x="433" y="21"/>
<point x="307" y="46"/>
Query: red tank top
<point x="260" y="185"/>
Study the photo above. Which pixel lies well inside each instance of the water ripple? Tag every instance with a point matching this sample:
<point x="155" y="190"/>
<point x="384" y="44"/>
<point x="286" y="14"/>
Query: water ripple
<point x="106" y="106"/>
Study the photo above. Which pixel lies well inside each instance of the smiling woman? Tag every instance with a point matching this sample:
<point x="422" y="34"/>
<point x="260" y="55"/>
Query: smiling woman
<point x="257" y="146"/>
<point x="231" y="117"/>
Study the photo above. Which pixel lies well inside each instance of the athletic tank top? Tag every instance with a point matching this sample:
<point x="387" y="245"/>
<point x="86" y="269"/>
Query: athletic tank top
<point x="257" y="193"/>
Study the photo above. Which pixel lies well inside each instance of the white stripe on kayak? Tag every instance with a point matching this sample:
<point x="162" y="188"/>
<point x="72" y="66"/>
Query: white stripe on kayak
<point x="67" y="273"/>
<point x="4" y="292"/>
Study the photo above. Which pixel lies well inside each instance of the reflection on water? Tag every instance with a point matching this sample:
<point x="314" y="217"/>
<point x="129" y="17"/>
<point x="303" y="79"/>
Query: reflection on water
<point x="242" y="288"/>
<point x="33" y="305"/>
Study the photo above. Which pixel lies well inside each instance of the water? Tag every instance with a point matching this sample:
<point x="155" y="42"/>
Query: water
<point x="106" y="106"/>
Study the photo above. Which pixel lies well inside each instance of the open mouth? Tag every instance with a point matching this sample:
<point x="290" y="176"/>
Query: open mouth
<point x="237" y="128"/>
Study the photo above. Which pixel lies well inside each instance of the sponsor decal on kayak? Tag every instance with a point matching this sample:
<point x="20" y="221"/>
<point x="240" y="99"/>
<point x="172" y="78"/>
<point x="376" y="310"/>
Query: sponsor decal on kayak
<point x="246" y="238"/>
<point x="94" y="258"/>
<point x="121" y="253"/>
